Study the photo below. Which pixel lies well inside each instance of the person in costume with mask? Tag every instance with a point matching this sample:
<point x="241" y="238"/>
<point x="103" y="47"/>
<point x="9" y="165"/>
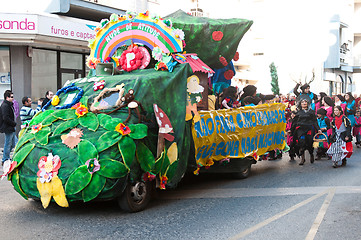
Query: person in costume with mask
<point x="341" y="139"/>
<point x="304" y="128"/>
<point x="305" y="89"/>
<point x="350" y="108"/>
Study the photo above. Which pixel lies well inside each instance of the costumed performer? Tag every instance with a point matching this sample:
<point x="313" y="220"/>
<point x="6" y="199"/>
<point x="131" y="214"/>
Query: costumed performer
<point x="341" y="139"/>
<point x="350" y="108"/>
<point x="328" y="105"/>
<point x="306" y="90"/>
<point x="290" y="139"/>
<point x="356" y="131"/>
<point x="324" y="124"/>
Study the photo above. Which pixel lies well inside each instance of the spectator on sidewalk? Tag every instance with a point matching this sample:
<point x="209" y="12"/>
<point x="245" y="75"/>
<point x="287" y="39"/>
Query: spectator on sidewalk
<point x="26" y="112"/>
<point x="48" y="96"/>
<point x="8" y="124"/>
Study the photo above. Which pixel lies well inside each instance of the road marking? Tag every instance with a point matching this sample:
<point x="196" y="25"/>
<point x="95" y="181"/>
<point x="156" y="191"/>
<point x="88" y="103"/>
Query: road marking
<point x="321" y="214"/>
<point x="277" y="216"/>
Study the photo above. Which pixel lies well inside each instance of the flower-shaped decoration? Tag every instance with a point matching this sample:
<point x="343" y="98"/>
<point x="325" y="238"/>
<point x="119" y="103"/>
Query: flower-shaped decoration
<point x="8" y="167"/>
<point x="80" y="109"/>
<point x="148" y="177"/>
<point x="157" y="54"/>
<point x="122" y="129"/>
<point x="36" y="128"/>
<point x="113" y="18"/>
<point x="99" y="85"/>
<point x="131" y="15"/>
<point x="217" y="35"/>
<point x="161" y="66"/>
<point x="104" y="23"/>
<point x="223" y="60"/>
<point x="72" y="139"/>
<point x="145" y="14"/>
<point x="131" y="59"/>
<point x="55" y="101"/>
<point x="236" y="56"/>
<point x="178" y="33"/>
<point x="228" y="74"/>
<point x="168" y="23"/>
<point x="163" y="182"/>
<point x="93" y="165"/>
<point x="48" y="167"/>
<point x="92" y="62"/>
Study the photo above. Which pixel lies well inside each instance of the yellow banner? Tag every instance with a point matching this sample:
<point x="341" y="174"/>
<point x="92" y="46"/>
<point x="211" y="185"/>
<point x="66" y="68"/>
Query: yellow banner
<point x="239" y="132"/>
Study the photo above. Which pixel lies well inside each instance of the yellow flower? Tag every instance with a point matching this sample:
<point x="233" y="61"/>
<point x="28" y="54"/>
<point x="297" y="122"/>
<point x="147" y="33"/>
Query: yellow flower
<point x="81" y="110"/>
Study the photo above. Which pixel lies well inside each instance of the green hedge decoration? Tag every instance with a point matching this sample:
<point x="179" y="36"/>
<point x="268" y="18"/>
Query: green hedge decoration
<point x="16" y="183"/>
<point x="89" y="121"/>
<point x="106" y="140"/>
<point x="65" y="126"/>
<point x="145" y="157"/>
<point x="138" y="131"/>
<point x="24" y="139"/>
<point x="86" y="151"/>
<point x="65" y="114"/>
<point x="49" y="120"/>
<point x="42" y="136"/>
<point x="127" y="148"/>
<point x="93" y="189"/>
<point x="38" y="118"/>
<point x="78" y="180"/>
<point x="112" y="169"/>
<point x="23" y="153"/>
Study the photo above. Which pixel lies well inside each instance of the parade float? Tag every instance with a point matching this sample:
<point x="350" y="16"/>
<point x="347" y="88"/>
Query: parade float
<point x="140" y="119"/>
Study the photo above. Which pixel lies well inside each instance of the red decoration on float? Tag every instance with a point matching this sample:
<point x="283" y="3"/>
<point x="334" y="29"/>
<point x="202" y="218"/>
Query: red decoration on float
<point x="131" y="59"/>
<point x="146" y="57"/>
<point x="223" y="61"/>
<point x="217" y="35"/>
<point x="228" y="74"/>
<point x="236" y="56"/>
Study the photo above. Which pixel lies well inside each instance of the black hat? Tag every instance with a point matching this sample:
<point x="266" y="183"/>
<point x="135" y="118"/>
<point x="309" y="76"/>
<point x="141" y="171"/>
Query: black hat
<point x="304" y="86"/>
<point x="322" y="111"/>
<point x="249" y="91"/>
<point x="329" y="101"/>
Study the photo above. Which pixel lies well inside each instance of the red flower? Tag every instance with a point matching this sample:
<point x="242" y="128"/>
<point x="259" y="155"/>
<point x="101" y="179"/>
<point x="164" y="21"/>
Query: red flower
<point x="236" y="56"/>
<point x="223" y="61"/>
<point x="148" y="177"/>
<point x="217" y="35"/>
<point x="228" y="74"/>
<point x="122" y="129"/>
<point x="76" y="105"/>
<point x="81" y="110"/>
<point x="163" y="182"/>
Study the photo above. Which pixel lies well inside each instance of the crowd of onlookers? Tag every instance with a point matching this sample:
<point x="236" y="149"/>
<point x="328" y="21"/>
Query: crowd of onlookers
<point x="10" y="111"/>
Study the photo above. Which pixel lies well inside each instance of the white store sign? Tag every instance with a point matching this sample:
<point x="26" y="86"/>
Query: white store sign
<point x="56" y="26"/>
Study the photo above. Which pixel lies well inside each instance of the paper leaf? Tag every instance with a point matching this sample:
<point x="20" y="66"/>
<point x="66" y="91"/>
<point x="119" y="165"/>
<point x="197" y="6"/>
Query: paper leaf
<point x="49" y="120"/>
<point x="65" y="126"/>
<point x="45" y="190"/>
<point x="165" y="165"/>
<point x="23" y="153"/>
<point x="173" y="153"/>
<point x="16" y="183"/>
<point x="158" y="163"/>
<point x="89" y="121"/>
<point x="127" y="148"/>
<point x="138" y="131"/>
<point x="58" y="192"/>
<point x="24" y="139"/>
<point x="78" y="180"/>
<point x="112" y="169"/>
<point x="86" y="151"/>
<point x="145" y="157"/>
<point x="65" y="114"/>
<point x="104" y="119"/>
<point x="172" y="170"/>
<point x="106" y="140"/>
<point x="93" y="189"/>
<point x="42" y="136"/>
<point x="38" y="118"/>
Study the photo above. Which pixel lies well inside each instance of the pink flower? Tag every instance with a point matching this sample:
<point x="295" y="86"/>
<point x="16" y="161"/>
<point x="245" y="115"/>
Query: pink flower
<point x="48" y="167"/>
<point x="93" y="165"/>
<point x="36" y="128"/>
<point x="75" y="106"/>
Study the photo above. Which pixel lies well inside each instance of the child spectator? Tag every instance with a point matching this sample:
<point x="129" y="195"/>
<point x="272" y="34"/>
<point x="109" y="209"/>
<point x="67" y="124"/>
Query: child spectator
<point x="324" y="124"/>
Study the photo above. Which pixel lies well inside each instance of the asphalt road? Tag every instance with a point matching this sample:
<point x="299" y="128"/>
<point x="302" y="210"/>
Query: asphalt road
<point x="280" y="200"/>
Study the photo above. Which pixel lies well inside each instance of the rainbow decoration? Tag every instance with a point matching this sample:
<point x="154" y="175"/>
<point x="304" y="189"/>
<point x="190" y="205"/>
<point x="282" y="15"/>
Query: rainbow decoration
<point x="142" y="29"/>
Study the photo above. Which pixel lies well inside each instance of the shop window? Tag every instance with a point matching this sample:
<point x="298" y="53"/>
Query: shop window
<point x="5" y="81"/>
<point x="71" y="60"/>
<point x="44" y="73"/>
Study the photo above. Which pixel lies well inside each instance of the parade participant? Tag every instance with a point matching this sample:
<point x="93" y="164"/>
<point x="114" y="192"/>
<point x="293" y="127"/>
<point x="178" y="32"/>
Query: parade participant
<point x="303" y="129"/>
<point x="290" y="142"/>
<point x="324" y="124"/>
<point x="8" y="124"/>
<point x="350" y="108"/>
<point x="305" y="89"/>
<point x="356" y="131"/>
<point x="229" y="98"/>
<point x="328" y="105"/>
<point x="251" y="90"/>
<point x="340" y="101"/>
<point x="26" y="112"/>
<point x="341" y="145"/>
<point x="318" y="102"/>
<point x="48" y="96"/>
